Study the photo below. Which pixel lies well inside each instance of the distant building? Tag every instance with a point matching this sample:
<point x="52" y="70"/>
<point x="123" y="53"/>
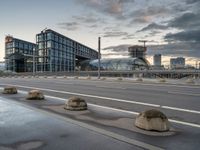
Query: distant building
<point x="115" y="64"/>
<point x="137" y="51"/>
<point x="177" y="63"/>
<point x="18" y="54"/>
<point x="57" y="52"/>
<point x="157" y="60"/>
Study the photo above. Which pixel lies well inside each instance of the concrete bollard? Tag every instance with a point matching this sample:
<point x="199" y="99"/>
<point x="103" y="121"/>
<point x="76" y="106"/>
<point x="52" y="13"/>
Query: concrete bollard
<point x="152" y="120"/>
<point x="119" y="78"/>
<point x="35" y="95"/>
<point x="139" y="80"/>
<point x="88" y="77"/>
<point x="162" y="80"/>
<point x="76" y="77"/>
<point x="10" y="90"/>
<point x="75" y="104"/>
<point x="190" y="81"/>
<point x="103" y="78"/>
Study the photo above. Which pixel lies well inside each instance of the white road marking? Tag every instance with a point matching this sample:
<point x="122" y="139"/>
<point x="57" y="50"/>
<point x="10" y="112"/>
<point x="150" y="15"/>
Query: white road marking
<point x="113" y="99"/>
<point x="181" y="93"/>
<point x="124" y="111"/>
<point x="185" y="123"/>
<point x="87" y="95"/>
<point x="121" y="110"/>
<point x="181" y="109"/>
<point x="112" y="87"/>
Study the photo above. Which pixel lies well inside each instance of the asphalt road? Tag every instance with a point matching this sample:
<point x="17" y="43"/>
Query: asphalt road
<point x="124" y="95"/>
<point x="180" y="103"/>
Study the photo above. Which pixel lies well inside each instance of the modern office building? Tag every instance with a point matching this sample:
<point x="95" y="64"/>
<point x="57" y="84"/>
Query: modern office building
<point x="52" y="52"/>
<point x="177" y="63"/>
<point x="57" y="52"/>
<point x="18" y="55"/>
<point x="137" y="51"/>
<point x="157" y="60"/>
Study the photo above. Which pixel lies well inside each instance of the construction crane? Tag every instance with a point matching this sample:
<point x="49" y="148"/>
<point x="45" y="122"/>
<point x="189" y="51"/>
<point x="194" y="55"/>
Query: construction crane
<point x="143" y="41"/>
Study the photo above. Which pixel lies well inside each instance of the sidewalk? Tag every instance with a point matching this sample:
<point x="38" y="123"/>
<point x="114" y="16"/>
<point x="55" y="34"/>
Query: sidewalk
<point x="23" y="128"/>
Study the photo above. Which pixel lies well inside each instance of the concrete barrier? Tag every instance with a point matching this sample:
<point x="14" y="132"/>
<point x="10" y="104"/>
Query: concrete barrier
<point x="152" y="120"/>
<point x="75" y="104"/>
<point x="190" y="81"/>
<point x="10" y="90"/>
<point x="35" y="95"/>
<point x="119" y="78"/>
<point x="139" y="80"/>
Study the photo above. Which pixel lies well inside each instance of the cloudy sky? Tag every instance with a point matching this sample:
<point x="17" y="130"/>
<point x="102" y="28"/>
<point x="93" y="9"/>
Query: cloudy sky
<point x="172" y="27"/>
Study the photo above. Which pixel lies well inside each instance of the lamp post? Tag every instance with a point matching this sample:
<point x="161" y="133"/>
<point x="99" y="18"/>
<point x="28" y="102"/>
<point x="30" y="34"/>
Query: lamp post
<point x="99" y="56"/>
<point x="34" y="62"/>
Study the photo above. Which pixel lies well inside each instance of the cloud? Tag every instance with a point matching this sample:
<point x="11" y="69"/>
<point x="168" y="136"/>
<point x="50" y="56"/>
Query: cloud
<point x="111" y="7"/>
<point x="115" y="34"/>
<point x="192" y="1"/>
<point x="129" y="37"/>
<point x="191" y="35"/>
<point x="77" y="22"/>
<point x="153" y="26"/>
<point x="186" y="21"/>
<point x="88" y="19"/>
<point x="147" y="14"/>
<point x="185" y="49"/>
<point x="141" y="20"/>
<point x="69" y="25"/>
<point x="118" y="48"/>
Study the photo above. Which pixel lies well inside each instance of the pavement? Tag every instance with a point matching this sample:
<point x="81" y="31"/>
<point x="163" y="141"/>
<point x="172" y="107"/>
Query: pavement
<point x="24" y="128"/>
<point x="113" y="106"/>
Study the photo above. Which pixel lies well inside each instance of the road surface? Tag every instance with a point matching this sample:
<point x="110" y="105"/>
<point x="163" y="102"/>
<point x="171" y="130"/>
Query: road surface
<point x="181" y="103"/>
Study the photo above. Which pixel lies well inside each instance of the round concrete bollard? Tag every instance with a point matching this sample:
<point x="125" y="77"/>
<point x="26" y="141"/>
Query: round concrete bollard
<point x="76" y="77"/>
<point x="65" y="77"/>
<point x="35" y="95"/>
<point x="152" y="120"/>
<point x="162" y="80"/>
<point x="190" y="81"/>
<point x="88" y="77"/>
<point x="103" y="78"/>
<point x="10" y="90"/>
<point x="76" y="103"/>
<point x="139" y="79"/>
<point x="119" y="78"/>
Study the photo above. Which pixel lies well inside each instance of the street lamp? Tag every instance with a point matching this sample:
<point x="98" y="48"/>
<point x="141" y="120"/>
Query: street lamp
<point x="99" y="56"/>
<point x="34" y="62"/>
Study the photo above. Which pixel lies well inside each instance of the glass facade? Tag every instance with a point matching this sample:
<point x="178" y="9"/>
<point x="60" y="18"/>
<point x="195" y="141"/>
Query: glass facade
<point x="18" y="55"/>
<point x="59" y="53"/>
<point x="120" y="64"/>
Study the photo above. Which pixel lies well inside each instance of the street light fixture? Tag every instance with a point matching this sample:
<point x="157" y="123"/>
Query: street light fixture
<point x="99" y="56"/>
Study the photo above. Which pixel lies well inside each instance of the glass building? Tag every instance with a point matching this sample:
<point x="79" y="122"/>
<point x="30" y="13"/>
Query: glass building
<point x="18" y="55"/>
<point x="56" y="52"/>
<point x="116" y="64"/>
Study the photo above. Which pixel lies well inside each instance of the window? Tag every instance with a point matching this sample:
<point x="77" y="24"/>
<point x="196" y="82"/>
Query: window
<point x="49" y="36"/>
<point x="49" y="44"/>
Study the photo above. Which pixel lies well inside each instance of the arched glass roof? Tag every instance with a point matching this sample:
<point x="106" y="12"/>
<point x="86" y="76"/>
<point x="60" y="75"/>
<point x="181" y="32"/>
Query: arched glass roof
<point x="115" y="64"/>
